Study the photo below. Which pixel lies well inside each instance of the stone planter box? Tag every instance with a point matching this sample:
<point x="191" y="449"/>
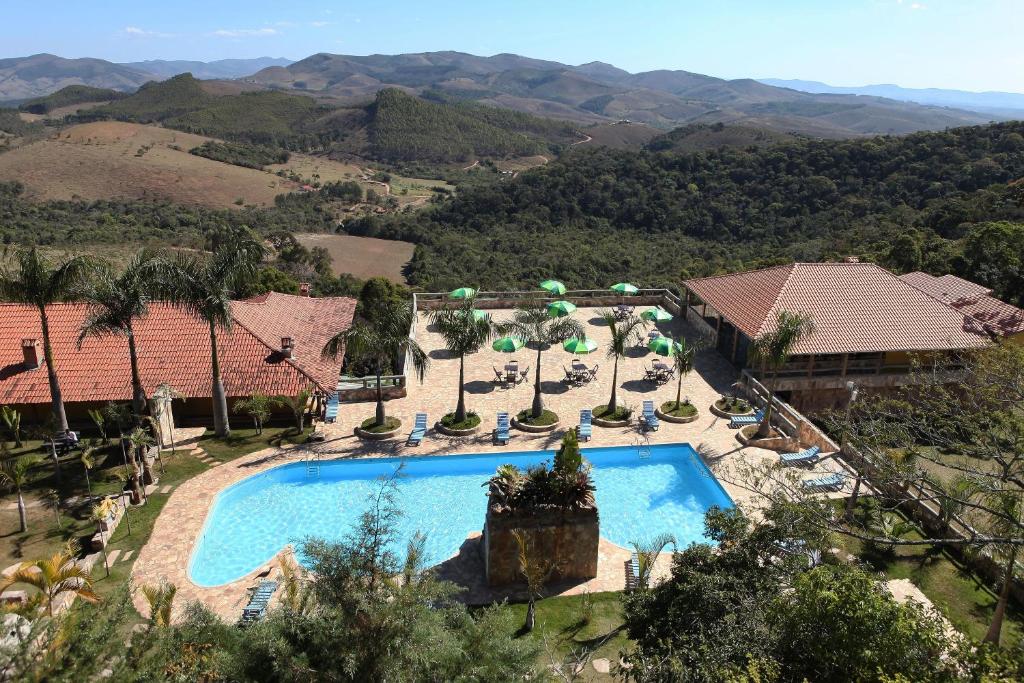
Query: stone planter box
<point x="441" y="429"/>
<point x="780" y="444"/>
<point x="722" y="413"/>
<point x="600" y="422"/>
<point x="377" y="436"/>
<point x="534" y="429"/>
<point x="568" y="537"/>
<point x="677" y="420"/>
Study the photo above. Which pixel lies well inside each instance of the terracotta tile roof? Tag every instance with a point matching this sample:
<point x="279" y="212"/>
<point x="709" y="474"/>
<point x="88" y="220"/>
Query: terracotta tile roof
<point x="856" y="308"/>
<point x="173" y="347"/>
<point x="997" y="317"/>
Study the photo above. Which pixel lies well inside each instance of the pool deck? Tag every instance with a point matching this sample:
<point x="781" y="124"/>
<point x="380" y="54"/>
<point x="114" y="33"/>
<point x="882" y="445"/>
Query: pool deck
<point x="166" y="555"/>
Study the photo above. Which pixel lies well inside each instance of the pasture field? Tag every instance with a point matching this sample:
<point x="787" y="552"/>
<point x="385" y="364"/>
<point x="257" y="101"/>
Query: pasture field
<point x="363" y="257"/>
<point x="117" y="160"/>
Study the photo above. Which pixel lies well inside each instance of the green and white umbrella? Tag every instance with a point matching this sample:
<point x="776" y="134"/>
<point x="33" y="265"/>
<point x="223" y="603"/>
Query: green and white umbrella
<point x="560" y="309"/>
<point x="462" y="293"/>
<point x="507" y="344"/>
<point x="553" y="287"/>
<point x="579" y="346"/>
<point x="663" y="346"/>
<point x="479" y="315"/>
<point x="657" y="315"/>
<point x="624" y="288"/>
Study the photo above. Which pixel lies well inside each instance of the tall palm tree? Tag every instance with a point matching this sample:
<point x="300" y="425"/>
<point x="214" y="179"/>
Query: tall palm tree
<point x="53" y="578"/>
<point x="14" y="475"/>
<point x="624" y="333"/>
<point x="116" y="301"/>
<point x="771" y="351"/>
<point x="535" y="326"/>
<point x="683" y="362"/>
<point x="463" y="333"/>
<point x="379" y="343"/>
<point x="39" y="282"/>
<point x="204" y="287"/>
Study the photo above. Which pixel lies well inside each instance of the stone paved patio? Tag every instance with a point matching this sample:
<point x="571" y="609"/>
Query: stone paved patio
<point x="167" y="554"/>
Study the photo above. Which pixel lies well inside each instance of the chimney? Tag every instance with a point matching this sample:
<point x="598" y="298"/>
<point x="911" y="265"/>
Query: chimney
<point x="287" y="346"/>
<point x="30" y="351"/>
<point x="852" y="259"/>
<point x="303" y="289"/>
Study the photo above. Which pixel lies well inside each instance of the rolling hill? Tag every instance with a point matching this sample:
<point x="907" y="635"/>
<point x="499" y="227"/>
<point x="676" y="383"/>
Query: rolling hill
<point x="220" y="68"/>
<point x="23" y="78"/>
<point x="597" y="92"/>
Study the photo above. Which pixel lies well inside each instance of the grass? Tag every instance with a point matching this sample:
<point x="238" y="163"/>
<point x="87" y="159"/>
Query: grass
<point x="547" y="417"/>
<point x="364" y="257"/>
<point x="736" y="406"/>
<point x="390" y="424"/>
<point x="621" y="412"/>
<point x="245" y="441"/>
<point x="472" y="420"/>
<point x="681" y="409"/>
<point x="573" y="622"/>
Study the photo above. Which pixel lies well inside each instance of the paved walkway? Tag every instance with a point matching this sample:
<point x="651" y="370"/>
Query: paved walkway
<point x="167" y="554"/>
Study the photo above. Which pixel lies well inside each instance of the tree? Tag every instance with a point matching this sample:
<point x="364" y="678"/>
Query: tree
<point x="38" y="282"/>
<point x="12" y="420"/>
<point x="119" y="298"/>
<point x="257" y="407"/>
<point x="624" y="333"/>
<point x="647" y="554"/>
<point x="379" y="340"/>
<point x="140" y="440"/>
<point x="52" y="501"/>
<point x="298" y="405"/>
<point x="536" y="570"/>
<point x="683" y="363"/>
<point x="204" y="287"/>
<point x="771" y="351"/>
<point x="463" y="333"/>
<point x="100" y="420"/>
<point x="160" y="599"/>
<point x="14" y="474"/>
<point x="53" y="578"/>
<point x="88" y="460"/>
<point x="535" y="326"/>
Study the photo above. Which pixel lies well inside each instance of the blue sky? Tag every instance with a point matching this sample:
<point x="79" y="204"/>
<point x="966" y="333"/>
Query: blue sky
<point x="968" y="44"/>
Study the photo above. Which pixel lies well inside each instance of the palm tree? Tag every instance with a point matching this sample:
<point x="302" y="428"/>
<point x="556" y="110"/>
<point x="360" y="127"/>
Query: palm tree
<point x="204" y="286"/>
<point x="14" y="475"/>
<point x="536" y="569"/>
<point x="161" y="603"/>
<point x="683" y="362"/>
<point x="100" y="513"/>
<point x="625" y="333"/>
<point x="257" y="407"/>
<point x="100" y="420"/>
<point x="88" y="460"/>
<point x="379" y="343"/>
<point x="116" y="301"/>
<point x="51" y="501"/>
<point x="1011" y="508"/>
<point x="647" y="554"/>
<point x="463" y="333"/>
<point x="771" y="350"/>
<point x="298" y="405"/>
<point x="53" y="578"/>
<point x="38" y="282"/>
<point x="140" y="441"/>
<point x="12" y="420"/>
<point x="535" y="326"/>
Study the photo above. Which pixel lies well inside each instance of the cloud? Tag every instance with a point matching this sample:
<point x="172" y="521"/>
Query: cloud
<point x="137" y="32"/>
<point x="918" y="5"/>
<point x="244" y="32"/>
<point x="319" y="24"/>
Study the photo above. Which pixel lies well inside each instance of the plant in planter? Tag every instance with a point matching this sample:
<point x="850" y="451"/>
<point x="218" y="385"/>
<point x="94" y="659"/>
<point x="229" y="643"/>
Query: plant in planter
<point x="536" y="326"/>
<point x="772" y="350"/>
<point x="378" y="342"/>
<point x="624" y="333"/>
<point x="463" y="333"/>
<point x="733" y="405"/>
<point x="683" y="362"/>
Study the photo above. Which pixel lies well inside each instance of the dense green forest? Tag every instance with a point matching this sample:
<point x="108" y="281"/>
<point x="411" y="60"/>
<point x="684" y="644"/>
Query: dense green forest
<point x="598" y="216"/>
<point x="239" y="154"/>
<point x="72" y="94"/>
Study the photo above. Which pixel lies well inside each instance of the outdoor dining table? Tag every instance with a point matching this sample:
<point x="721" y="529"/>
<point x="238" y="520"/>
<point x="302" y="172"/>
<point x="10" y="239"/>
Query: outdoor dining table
<point x="512" y="372"/>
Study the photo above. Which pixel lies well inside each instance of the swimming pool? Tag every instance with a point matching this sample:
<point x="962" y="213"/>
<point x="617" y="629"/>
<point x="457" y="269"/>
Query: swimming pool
<point x="443" y="497"/>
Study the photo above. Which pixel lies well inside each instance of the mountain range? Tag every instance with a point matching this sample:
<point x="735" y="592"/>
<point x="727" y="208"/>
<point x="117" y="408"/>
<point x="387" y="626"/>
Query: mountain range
<point x="1007" y="104"/>
<point x="589" y="93"/>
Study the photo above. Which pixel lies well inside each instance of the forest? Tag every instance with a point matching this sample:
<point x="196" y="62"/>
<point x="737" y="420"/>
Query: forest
<point x="249" y="156"/>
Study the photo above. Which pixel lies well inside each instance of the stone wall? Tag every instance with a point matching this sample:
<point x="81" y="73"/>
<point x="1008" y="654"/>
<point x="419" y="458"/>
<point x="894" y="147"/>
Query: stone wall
<point x="569" y="538"/>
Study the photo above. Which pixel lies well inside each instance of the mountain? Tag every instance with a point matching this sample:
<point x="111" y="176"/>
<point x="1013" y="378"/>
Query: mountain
<point x="24" y="78"/>
<point x="221" y="68"/>
<point x="1007" y="104"/>
<point x="599" y="92"/>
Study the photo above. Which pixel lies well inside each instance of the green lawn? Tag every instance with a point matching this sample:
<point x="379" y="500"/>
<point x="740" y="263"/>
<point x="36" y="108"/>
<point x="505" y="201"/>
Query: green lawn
<point x="245" y="441"/>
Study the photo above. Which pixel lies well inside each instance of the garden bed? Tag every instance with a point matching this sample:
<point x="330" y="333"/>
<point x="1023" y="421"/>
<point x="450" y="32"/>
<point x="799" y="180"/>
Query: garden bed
<point x="367" y="430"/>
<point x="547" y="422"/>
<point x="682" y="413"/>
<point x="775" y="441"/>
<point x="725" y="407"/>
<point x="620" y="418"/>
<point x="449" y="427"/>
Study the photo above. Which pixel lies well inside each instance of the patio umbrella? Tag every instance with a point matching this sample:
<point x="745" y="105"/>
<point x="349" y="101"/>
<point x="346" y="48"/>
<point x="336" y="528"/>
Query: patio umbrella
<point x="663" y="346"/>
<point x="478" y="314"/>
<point x="579" y="346"/>
<point x="553" y="286"/>
<point x="462" y="293"/>
<point x="507" y="344"/>
<point x="656" y="315"/>
<point x="560" y="309"/>
<point x="624" y="288"/>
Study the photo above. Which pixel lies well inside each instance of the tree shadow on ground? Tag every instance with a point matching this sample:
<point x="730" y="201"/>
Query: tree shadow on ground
<point x="552" y="387"/>
<point x="441" y="354"/>
<point x="479" y="386"/>
<point x="640" y="386"/>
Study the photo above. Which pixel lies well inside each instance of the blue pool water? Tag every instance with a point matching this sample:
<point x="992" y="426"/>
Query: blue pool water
<point x="444" y="498"/>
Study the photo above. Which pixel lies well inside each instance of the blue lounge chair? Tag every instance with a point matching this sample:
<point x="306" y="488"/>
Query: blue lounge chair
<point x="649" y="420"/>
<point x="257" y="606"/>
<point x="501" y="432"/>
<point x="831" y="482"/>
<point x="419" y="430"/>
<point x="744" y="420"/>
<point x="633" y="572"/>
<point x="585" y="429"/>
<point x="808" y="455"/>
<point x="331" y="412"/>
